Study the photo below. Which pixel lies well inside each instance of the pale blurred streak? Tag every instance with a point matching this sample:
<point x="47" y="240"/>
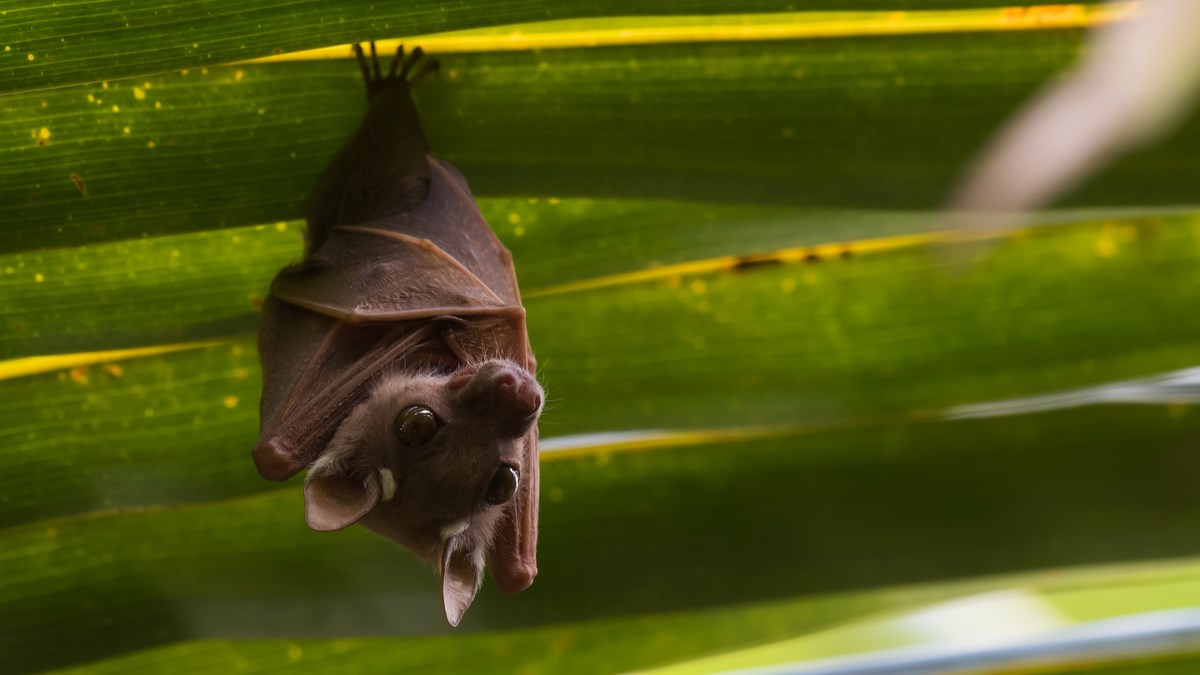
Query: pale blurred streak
<point x="1126" y="639"/>
<point x="1177" y="388"/>
<point x="1135" y="81"/>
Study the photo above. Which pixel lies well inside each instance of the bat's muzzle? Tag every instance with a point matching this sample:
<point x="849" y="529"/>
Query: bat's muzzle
<point x="519" y="393"/>
<point x="504" y="390"/>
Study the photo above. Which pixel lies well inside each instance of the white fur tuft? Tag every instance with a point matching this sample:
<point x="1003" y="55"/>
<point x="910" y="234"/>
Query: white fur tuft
<point x="478" y="562"/>
<point x="326" y="465"/>
<point x="387" y="481"/>
<point x="455" y="528"/>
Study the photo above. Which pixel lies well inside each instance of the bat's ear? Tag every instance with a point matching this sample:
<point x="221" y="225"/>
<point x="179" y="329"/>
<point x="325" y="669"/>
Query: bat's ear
<point x="462" y="571"/>
<point x="334" y="501"/>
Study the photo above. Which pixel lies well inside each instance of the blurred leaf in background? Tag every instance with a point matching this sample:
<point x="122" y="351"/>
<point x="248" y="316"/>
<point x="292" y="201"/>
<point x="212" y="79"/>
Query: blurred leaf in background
<point x="780" y="432"/>
<point x="1133" y="84"/>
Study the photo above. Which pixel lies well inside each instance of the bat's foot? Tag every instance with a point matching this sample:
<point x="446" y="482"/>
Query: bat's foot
<point x="403" y="71"/>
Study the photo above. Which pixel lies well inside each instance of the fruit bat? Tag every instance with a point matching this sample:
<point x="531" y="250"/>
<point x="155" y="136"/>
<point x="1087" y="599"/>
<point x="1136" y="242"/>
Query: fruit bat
<point x="396" y="364"/>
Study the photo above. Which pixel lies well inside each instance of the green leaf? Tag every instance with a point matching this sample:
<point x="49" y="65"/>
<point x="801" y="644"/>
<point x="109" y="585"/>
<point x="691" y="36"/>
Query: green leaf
<point x="879" y="333"/>
<point x="621" y="644"/>
<point x="53" y="45"/>
<point x="736" y="523"/>
<point x="856" y="122"/>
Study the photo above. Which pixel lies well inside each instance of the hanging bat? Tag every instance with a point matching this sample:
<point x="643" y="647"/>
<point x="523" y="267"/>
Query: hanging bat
<point x="396" y="364"/>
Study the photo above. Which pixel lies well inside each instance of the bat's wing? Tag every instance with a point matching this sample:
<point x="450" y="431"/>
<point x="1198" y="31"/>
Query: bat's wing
<point x="365" y="274"/>
<point x="513" y="558"/>
<point x="370" y="295"/>
<point x="450" y="219"/>
<point x="305" y="399"/>
<point x="439" y="256"/>
<point x="379" y="296"/>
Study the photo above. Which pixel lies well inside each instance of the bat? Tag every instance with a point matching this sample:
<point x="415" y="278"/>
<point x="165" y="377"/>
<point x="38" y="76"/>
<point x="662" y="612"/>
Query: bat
<point x="396" y="363"/>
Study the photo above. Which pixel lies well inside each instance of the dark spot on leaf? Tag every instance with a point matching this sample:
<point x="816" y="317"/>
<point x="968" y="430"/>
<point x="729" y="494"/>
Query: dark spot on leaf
<point x="41" y="142"/>
<point x="812" y="258"/>
<point x="847" y="253"/>
<point x="79" y="184"/>
<point x="256" y="302"/>
<point x="748" y="262"/>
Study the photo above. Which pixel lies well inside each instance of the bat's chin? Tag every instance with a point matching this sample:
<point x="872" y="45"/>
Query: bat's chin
<point x="423" y="542"/>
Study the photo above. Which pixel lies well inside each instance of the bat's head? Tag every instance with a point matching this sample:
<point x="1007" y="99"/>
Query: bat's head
<point x="437" y="463"/>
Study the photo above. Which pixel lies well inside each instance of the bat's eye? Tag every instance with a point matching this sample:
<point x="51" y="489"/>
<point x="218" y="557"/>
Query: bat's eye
<point x="503" y="485"/>
<point x="416" y="424"/>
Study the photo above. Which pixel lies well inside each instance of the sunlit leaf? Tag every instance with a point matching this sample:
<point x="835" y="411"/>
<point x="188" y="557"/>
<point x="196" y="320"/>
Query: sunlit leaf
<point x="53" y="45"/>
<point x="882" y="121"/>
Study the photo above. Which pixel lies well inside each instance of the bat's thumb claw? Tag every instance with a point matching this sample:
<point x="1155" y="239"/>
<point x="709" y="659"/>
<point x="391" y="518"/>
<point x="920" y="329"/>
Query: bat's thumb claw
<point x="273" y="459"/>
<point x="514" y="577"/>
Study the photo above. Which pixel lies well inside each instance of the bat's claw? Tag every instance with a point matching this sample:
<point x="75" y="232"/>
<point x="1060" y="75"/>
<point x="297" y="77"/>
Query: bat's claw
<point x="403" y="70"/>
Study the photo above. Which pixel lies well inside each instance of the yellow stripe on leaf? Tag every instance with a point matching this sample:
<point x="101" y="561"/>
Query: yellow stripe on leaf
<point x="621" y="31"/>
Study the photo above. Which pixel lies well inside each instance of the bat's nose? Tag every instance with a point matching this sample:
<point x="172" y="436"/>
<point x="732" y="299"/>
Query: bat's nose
<point x="505" y="393"/>
<point x="519" y="393"/>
